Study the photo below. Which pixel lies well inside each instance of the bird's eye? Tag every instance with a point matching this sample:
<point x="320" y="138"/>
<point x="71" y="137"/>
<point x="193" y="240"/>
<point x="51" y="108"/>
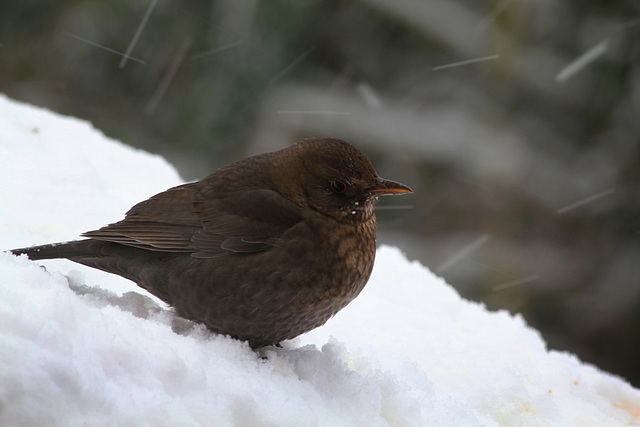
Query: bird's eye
<point x="338" y="186"/>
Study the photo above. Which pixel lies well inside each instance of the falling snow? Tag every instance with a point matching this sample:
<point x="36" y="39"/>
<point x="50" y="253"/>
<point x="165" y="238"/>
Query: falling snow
<point x="82" y="347"/>
<point x="466" y="62"/>
<point x="586" y="200"/>
<point x="582" y="61"/>
<point x="132" y="45"/>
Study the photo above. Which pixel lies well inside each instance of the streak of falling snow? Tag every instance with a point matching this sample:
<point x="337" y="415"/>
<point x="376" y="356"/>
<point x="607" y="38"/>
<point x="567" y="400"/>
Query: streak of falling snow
<point x="582" y="61"/>
<point x="586" y="200"/>
<point x="466" y="62"/>
<point x="102" y="47"/>
<point x="370" y="97"/>
<point x="168" y="77"/>
<point x="393" y="207"/>
<point x="136" y="36"/>
<point x="343" y="113"/>
<point x="458" y="256"/>
<point x="295" y="62"/>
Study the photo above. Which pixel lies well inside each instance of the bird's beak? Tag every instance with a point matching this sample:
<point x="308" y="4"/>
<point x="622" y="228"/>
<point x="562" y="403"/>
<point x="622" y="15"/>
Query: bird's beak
<point x="384" y="187"/>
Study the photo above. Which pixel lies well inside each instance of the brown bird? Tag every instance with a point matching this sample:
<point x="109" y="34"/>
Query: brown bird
<point x="263" y="250"/>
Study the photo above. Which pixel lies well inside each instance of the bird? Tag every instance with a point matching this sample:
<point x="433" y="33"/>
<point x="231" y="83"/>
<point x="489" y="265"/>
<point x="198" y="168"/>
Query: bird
<point x="262" y="250"/>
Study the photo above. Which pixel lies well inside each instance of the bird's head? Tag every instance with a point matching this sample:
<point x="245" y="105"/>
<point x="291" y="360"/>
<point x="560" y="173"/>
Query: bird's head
<point x="334" y="178"/>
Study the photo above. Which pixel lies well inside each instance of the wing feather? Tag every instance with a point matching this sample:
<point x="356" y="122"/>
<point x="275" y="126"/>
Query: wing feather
<point x="187" y="219"/>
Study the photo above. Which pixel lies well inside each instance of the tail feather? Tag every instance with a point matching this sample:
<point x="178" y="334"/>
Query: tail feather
<point x="55" y="250"/>
<point x="146" y="268"/>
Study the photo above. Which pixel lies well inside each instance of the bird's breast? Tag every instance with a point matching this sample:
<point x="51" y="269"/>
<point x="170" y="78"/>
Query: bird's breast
<point x="267" y="297"/>
<point x="345" y="258"/>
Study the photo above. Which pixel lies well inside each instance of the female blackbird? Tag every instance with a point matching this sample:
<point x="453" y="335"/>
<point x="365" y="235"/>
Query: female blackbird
<point x="264" y="249"/>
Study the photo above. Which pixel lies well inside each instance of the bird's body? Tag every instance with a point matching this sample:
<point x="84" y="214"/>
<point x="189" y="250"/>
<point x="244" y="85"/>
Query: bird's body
<point x="263" y="250"/>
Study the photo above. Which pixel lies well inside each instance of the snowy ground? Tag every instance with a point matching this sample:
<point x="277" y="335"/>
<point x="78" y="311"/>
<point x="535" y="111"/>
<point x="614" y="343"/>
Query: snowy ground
<point x="81" y="347"/>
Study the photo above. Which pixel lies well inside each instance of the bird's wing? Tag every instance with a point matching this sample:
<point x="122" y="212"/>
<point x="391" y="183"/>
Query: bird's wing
<point x="187" y="219"/>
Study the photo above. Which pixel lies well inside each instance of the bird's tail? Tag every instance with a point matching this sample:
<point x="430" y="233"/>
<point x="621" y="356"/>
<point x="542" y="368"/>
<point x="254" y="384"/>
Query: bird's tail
<point x="55" y="250"/>
<point x="146" y="268"/>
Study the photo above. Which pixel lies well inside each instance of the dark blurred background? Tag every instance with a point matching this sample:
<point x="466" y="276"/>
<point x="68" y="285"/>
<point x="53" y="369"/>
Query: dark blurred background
<point x="516" y="122"/>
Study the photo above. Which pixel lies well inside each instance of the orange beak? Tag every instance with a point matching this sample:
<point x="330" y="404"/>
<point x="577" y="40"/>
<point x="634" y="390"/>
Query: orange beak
<point x="386" y="187"/>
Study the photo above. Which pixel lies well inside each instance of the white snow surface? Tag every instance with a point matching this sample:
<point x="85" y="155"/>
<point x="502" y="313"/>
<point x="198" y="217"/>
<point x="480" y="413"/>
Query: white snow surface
<point x="82" y="347"/>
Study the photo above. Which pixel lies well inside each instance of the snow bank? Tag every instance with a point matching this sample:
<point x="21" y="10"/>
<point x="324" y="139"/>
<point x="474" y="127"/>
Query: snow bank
<point x="81" y="347"/>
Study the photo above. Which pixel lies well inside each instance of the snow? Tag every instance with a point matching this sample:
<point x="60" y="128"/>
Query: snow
<point x="582" y="61"/>
<point x="82" y="347"/>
